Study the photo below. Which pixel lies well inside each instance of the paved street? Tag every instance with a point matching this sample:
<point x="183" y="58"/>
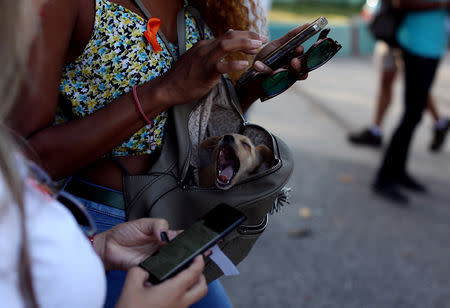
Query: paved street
<point x="337" y="244"/>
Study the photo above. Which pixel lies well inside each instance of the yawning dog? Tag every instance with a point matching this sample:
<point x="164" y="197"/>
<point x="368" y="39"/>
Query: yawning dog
<point x="233" y="158"/>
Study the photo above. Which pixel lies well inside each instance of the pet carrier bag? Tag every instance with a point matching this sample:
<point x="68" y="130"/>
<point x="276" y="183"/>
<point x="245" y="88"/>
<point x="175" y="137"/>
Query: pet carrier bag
<point x="170" y="189"/>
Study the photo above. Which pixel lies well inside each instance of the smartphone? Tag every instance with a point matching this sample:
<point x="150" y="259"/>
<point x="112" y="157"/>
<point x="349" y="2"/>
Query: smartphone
<point x="200" y="236"/>
<point x="283" y="54"/>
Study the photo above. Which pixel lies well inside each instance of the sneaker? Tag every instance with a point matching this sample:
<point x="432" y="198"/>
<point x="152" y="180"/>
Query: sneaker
<point x="390" y="192"/>
<point x="439" y="137"/>
<point x="365" y="137"/>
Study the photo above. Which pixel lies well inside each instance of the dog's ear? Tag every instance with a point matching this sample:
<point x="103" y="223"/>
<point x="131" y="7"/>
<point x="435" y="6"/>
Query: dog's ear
<point x="264" y="154"/>
<point x="209" y="143"/>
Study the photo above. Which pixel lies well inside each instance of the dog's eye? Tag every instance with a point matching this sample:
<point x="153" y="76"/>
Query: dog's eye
<point x="246" y="145"/>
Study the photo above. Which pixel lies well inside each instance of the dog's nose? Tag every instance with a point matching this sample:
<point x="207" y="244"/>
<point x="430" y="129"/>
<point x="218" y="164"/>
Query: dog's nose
<point x="228" y="139"/>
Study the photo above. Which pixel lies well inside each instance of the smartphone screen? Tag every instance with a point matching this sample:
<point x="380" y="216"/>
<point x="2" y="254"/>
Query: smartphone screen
<point x="196" y="239"/>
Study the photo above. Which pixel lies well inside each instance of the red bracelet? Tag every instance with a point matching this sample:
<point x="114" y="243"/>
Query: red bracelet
<point x="137" y="103"/>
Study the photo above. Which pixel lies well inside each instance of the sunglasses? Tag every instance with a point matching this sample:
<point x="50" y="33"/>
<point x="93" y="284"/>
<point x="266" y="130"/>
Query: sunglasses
<point x="317" y="55"/>
<point x="45" y="183"/>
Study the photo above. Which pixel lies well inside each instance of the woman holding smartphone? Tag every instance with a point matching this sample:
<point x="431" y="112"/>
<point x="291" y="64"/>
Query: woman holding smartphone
<point x="100" y="88"/>
<point x="423" y="40"/>
<point x="47" y="261"/>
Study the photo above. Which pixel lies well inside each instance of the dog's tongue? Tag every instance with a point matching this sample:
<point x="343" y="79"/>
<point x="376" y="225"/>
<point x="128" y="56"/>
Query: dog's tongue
<point x="226" y="174"/>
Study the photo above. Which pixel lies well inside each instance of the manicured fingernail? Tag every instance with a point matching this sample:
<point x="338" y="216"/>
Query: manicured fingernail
<point x="242" y="63"/>
<point x="263" y="37"/>
<point x="259" y="66"/>
<point x="164" y="237"/>
<point x="256" y="43"/>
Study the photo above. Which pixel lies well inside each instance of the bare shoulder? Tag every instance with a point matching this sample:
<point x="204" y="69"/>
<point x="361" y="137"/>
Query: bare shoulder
<point x="58" y="19"/>
<point x="67" y="26"/>
<point x="66" y="8"/>
<point x="56" y="44"/>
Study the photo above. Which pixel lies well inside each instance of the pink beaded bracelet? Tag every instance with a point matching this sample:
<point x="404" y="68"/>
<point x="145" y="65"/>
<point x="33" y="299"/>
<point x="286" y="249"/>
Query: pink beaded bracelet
<point x="137" y="103"/>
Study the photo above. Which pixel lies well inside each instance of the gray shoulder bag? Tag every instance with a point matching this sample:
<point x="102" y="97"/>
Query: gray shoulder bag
<point x="169" y="189"/>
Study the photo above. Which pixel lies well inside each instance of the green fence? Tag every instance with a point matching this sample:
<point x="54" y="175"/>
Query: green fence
<point x="353" y="36"/>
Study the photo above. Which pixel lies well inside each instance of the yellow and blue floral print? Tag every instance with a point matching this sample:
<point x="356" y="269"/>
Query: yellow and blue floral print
<point x="116" y="58"/>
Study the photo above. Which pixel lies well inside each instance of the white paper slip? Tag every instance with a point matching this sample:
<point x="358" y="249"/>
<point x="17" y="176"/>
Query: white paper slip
<point x="222" y="261"/>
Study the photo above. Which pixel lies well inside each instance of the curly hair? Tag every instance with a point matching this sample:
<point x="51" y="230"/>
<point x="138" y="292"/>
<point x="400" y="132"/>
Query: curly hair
<point x="243" y="15"/>
<point x="231" y="14"/>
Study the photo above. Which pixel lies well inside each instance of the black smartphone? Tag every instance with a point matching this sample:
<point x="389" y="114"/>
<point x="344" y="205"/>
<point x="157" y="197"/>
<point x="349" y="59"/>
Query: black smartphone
<point x="200" y="236"/>
<point x="283" y="54"/>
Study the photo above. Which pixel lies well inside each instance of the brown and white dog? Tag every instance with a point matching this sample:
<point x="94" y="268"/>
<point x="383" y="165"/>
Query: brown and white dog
<point x="233" y="158"/>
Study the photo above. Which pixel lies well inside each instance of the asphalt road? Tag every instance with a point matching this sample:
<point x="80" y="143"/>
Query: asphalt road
<point x="337" y="244"/>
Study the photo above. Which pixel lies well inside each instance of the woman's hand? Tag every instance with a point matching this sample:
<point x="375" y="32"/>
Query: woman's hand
<point x="250" y="92"/>
<point x="128" y="244"/>
<point x="199" y="69"/>
<point x="181" y="291"/>
<point x="295" y="65"/>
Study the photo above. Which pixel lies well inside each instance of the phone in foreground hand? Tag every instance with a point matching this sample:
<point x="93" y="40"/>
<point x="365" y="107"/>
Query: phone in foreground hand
<point x="283" y="54"/>
<point x="199" y="237"/>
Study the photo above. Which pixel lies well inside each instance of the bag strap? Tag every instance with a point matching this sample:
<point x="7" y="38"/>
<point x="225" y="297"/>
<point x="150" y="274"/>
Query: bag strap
<point x="143" y="8"/>
<point x="181" y="31"/>
<point x="198" y="19"/>
<point x="181" y="27"/>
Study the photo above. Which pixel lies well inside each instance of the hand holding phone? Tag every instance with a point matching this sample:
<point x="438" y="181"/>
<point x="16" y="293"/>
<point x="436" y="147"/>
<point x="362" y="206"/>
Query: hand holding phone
<point x="181" y="291"/>
<point x="268" y="82"/>
<point x="195" y="240"/>
<point x="282" y="54"/>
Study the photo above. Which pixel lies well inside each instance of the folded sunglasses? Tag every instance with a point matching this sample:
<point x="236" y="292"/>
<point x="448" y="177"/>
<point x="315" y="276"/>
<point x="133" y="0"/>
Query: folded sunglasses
<point x="317" y="55"/>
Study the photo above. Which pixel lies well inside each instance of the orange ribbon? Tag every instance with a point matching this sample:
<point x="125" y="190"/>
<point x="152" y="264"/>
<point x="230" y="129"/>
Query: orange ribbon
<point x="150" y="34"/>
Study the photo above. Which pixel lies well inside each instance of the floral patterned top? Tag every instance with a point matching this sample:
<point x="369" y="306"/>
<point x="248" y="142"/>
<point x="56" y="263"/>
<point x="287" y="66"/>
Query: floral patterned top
<point x="116" y="58"/>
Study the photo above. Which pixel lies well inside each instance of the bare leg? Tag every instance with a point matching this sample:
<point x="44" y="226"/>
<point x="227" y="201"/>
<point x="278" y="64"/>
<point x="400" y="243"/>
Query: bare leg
<point x="441" y="126"/>
<point x="384" y="95"/>
<point x="372" y="135"/>
<point x="431" y="105"/>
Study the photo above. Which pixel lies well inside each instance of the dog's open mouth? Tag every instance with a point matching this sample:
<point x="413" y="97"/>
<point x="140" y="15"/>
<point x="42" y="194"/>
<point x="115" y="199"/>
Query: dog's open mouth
<point x="227" y="165"/>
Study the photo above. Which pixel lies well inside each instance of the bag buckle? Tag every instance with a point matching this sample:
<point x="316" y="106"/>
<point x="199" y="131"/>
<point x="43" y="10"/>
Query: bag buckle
<point x="254" y="229"/>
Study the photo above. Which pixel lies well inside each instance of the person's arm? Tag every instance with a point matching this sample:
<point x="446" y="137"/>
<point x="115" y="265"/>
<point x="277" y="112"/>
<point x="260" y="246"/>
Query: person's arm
<point x="419" y="5"/>
<point x="126" y="245"/>
<point x="67" y="148"/>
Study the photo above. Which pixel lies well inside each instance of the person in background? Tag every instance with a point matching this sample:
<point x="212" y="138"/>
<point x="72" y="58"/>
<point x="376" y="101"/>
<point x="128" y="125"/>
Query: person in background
<point x="423" y="40"/>
<point x="100" y="93"/>
<point x="389" y="61"/>
<point x="47" y="261"/>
